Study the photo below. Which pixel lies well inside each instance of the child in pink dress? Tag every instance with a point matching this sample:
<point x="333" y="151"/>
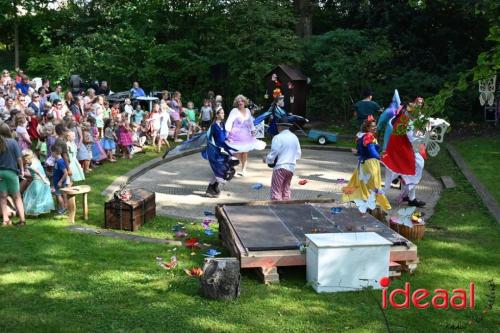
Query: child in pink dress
<point x="23" y="137"/>
<point x="125" y="138"/>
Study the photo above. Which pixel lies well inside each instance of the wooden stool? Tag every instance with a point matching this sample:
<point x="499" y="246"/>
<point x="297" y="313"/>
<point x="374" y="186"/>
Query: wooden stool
<point x="71" y="192"/>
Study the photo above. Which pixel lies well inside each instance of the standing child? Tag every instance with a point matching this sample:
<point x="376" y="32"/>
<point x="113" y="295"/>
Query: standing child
<point x="98" y="154"/>
<point x="60" y="178"/>
<point x="32" y="126"/>
<point x="82" y="155"/>
<point x="75" y="167"/>
<point x="107" y="110"/>
<point x="191" y="119"/>
<point x="155" y="124"/>
<point x="37" y="197"/>
<point x="164" y="126"/>
<point x="98" y="111"/>
<point x="41" y="149"/>
<point x="125" y="139"/>
<point x="87" y="142"/>
<point x="176" y="106"/>
<point x="49" y="131"/>
<point x="138" y="114"/>
<point x="109" y="140"/>
<point x="206" y="115"/>
<point x="11" y="167"/>
<point x="22" y="134"/>
<point x="115" y="110"/>
<point x="128" y="109"/>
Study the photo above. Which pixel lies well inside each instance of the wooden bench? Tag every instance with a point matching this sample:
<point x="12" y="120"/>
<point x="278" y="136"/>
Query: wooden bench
<point x="71" y="193"/>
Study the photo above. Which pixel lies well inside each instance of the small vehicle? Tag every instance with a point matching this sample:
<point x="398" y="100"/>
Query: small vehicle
<point x="322" y="137"/>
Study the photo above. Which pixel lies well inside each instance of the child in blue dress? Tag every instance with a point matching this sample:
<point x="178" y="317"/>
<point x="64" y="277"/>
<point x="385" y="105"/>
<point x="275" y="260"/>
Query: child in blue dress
<point x="109" y="140"/>
<point x="37" y="198"/>
<point x="77" y="173"/>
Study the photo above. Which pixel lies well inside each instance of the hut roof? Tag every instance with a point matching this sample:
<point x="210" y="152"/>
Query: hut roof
<point x="293" y="73"/>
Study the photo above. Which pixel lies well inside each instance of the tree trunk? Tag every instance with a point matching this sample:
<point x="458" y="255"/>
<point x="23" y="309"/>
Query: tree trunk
<point x="221" y="278"/>
<point x="303" y="10"/>
<point x="16" y="43"/>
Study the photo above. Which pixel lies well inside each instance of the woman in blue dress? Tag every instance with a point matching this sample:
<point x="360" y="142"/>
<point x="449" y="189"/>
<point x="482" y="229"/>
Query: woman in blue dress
<point x="37" y="198"/>
<point x="219" y="155"/>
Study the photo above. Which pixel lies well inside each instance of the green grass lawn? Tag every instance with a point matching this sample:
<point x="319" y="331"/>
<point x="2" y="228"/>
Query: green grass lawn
<point x="483" y="157"/>
<point x="54" y="280"/>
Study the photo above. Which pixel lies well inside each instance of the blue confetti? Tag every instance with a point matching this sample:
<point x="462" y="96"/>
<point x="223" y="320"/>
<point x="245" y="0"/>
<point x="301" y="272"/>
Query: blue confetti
<point x="257" y="186"/>
<point x="336" y="210"/>
<point x="211" y="253"/>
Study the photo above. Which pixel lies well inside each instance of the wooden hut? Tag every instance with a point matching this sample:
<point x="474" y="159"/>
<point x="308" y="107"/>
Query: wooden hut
<point x="293" y="85"/>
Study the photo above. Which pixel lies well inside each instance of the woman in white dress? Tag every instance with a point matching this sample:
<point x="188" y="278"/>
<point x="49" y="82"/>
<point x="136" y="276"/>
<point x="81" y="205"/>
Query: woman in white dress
<point x="242" y="132"/>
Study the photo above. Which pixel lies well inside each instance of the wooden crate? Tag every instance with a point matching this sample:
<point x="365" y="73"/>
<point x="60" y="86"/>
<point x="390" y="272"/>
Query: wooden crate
<point x="131" y="214"/>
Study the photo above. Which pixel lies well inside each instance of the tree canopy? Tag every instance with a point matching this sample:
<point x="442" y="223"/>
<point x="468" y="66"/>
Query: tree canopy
<point x="426" y="48"/>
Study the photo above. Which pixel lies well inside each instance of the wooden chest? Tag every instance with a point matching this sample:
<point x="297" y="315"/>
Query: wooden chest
<point x="130" y="214"/>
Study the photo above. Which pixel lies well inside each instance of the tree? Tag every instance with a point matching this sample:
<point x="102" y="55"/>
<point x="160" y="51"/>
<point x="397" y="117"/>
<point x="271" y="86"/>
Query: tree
<point x="13" y="11"/>
<point x="303" y="11"/>
<point x="345" y="62"/>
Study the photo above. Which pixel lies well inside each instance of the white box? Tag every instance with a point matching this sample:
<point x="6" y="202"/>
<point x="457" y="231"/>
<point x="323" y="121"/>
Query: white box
<point x="346" y="261"/>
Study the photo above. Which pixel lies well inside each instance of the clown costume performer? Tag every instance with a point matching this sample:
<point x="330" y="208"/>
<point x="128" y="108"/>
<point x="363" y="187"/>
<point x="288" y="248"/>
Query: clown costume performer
<point x="366" y="177"/>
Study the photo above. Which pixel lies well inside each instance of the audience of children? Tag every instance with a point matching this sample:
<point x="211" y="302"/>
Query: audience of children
<point x="59" y="136"/>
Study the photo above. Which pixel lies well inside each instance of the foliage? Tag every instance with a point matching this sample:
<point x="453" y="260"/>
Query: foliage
<point x="420" y="47"/>
<point x="201" y="46"/>
<point x="345" y="62"/>
<point x="433" y="42"/>
<point x="475" y="152"/>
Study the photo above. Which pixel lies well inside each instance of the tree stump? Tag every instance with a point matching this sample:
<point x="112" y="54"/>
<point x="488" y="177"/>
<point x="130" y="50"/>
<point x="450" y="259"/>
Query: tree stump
<point x="221" y="278"/>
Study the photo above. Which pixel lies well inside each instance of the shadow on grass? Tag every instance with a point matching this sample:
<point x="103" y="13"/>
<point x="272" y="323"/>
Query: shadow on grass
<point x="53" y="280"/>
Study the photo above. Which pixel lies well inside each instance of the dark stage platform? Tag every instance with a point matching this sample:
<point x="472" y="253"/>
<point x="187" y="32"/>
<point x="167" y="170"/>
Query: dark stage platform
<point x="282" y="227"/>
<point x="268" y="234"/>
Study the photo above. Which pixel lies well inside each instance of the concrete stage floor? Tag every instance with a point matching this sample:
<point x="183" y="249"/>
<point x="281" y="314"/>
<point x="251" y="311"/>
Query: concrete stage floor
<point x="180" y="184"/>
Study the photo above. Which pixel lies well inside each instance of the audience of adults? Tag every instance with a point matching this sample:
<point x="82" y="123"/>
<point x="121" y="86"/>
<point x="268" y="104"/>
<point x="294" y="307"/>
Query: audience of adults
<point x="104" y="89"/>
<point x="137" y="91"/>
<point x="23" y="86"/>
<point x="366" y="107"/>
<point x="56" y="94"/>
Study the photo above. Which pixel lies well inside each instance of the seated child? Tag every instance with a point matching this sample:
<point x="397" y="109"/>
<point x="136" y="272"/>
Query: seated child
<point x="138" y="138"/>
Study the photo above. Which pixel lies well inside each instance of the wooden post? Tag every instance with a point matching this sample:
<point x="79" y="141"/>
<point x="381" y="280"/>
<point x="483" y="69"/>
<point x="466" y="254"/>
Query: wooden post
<point x="269" y="274"/>
<point x="71" y="207"/>
<point x="85" y="207"/>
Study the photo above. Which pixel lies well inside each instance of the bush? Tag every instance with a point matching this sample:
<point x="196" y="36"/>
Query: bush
<point x="342" y="63"/>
